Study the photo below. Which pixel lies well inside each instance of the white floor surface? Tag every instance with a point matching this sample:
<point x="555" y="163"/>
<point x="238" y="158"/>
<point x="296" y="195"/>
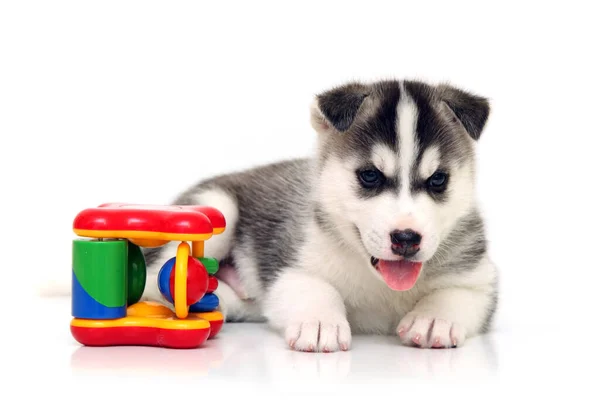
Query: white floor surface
<point x="250" y="360"/>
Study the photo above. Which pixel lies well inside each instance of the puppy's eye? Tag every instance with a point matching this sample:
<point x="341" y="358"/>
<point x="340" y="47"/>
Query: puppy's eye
<point x="371" y="178"/>
<point x="438" y="181"/>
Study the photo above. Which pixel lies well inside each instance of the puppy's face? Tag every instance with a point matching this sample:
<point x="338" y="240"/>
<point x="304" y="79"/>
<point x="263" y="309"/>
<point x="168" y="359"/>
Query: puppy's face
<point x="396" y="169"/>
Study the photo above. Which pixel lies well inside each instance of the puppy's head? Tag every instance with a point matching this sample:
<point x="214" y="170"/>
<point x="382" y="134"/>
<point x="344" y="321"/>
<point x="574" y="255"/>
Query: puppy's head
<point x="396" y="163"/>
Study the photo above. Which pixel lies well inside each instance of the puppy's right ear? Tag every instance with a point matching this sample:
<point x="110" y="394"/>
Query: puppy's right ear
<point x="470" y="109"/>
<point x="336" y="109"/>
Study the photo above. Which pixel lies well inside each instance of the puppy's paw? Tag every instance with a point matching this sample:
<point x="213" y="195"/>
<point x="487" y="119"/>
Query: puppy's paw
<point x="314" y="335"/>
<point x="428" y="332"/>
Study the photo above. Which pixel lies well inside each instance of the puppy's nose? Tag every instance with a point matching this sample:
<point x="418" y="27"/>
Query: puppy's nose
<point x="405" y="243"/>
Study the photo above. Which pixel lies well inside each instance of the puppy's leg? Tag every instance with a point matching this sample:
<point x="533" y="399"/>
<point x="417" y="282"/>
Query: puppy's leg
<point x="308" y="311"/>
<point x="447" y="316"/>
<point x="234" y="308"/>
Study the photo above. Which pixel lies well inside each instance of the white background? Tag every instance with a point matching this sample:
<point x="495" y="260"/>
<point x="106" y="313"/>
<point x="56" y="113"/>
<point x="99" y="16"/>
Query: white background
<point x="133" y="101"/>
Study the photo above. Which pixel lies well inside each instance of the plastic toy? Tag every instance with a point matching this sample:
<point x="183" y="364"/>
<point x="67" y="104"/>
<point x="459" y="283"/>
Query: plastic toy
<point x="109" y="276"/>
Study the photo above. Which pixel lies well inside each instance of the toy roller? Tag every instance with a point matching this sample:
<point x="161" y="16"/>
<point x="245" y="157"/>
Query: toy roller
<point x="109" y="276"/>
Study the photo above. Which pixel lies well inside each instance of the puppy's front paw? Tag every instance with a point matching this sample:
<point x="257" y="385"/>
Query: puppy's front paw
<point x="428" y="332"/>
<point x="319" y="335"/>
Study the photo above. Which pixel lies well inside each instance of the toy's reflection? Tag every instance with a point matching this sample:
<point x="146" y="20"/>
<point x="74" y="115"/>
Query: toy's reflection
<point x="144" y="361"/>
<point x="263" y="358"/>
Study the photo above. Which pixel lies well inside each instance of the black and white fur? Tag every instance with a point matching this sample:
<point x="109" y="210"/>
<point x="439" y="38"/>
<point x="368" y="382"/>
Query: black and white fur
<point x="301" y="234"/>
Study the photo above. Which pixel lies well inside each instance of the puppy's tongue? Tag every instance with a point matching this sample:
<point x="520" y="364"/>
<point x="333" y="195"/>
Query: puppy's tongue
<point x="399" y="275"/>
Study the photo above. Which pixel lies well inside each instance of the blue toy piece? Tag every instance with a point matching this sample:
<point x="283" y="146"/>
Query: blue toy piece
<point x="208" y="303"/>
<point x="164" y="280"/>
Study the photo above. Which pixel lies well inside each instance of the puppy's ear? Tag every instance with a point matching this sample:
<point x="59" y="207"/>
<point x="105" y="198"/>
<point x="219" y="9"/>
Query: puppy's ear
<point x="336" y="109"/>
<point x="470" y="109"/>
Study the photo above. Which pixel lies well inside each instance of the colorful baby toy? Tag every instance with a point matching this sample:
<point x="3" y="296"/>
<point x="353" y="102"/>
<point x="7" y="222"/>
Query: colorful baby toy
<point x="109" y="276"/>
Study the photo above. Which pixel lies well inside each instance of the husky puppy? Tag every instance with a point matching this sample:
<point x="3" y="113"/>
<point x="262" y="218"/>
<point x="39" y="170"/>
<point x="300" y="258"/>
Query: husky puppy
<point x="378" y="233"/>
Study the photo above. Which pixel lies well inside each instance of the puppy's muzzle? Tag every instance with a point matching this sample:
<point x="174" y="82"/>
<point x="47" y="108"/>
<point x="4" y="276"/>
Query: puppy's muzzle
<point x="405" y="243"/>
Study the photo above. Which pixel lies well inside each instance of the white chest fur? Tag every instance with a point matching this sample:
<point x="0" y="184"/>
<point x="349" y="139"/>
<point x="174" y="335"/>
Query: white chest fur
<point x="371" y="306"/>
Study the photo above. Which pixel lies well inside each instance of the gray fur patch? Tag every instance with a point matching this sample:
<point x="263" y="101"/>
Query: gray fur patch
<point x="462" y="249"/>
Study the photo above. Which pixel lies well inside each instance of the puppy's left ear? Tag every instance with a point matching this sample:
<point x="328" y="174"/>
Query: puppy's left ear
<point x="471" y="110"/>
